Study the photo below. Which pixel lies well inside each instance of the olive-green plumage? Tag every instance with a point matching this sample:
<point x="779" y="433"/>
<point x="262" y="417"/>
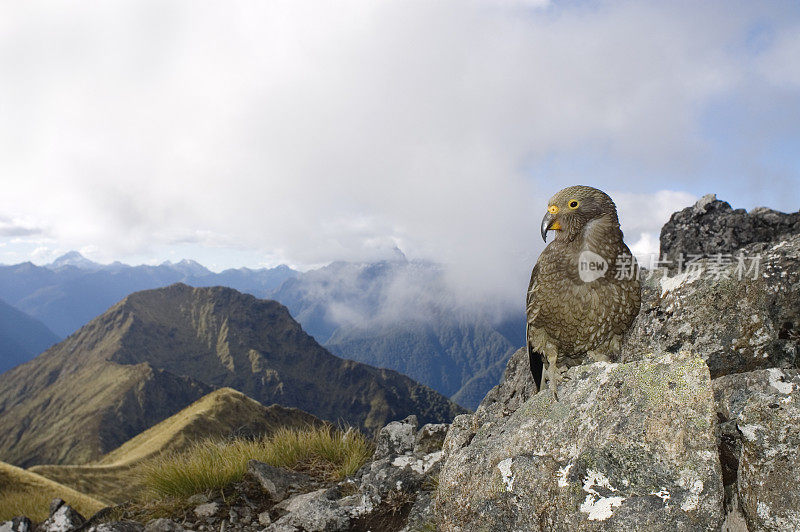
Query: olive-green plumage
<point x="584" y="291"/>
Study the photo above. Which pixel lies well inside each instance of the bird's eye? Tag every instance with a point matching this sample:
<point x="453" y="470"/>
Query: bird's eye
<point x="574" y="204"/>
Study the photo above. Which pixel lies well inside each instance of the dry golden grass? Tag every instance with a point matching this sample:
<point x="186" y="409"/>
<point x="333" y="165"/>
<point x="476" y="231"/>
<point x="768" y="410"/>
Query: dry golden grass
<point x="29" y="494"/>
<point x="217" y="415"/>
<point x="321" y="452"/>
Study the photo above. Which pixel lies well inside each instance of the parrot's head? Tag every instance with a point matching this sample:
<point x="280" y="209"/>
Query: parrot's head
<point x="572" y="208"/>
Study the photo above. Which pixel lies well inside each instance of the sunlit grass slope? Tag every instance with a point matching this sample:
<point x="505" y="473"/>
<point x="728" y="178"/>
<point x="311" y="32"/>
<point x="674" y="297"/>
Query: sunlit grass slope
<point x="25" y="493"/>
<point x="222" y="414"/>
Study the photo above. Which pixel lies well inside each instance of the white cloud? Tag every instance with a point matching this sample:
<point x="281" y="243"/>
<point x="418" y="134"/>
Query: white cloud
<point x="315" y="131"/>
<point x="643" y="214"/>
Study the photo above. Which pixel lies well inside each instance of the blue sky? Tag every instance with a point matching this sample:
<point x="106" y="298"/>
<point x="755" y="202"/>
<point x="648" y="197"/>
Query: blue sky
<point x="258" y="133"/>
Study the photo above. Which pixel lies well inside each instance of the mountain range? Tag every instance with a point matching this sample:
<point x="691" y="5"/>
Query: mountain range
<point x="404" y="315"/>
<point x="72" y="290"/>
<point x="398" y="314"/>
<point x="21" y="337"/>
<point x="157" y="351"/>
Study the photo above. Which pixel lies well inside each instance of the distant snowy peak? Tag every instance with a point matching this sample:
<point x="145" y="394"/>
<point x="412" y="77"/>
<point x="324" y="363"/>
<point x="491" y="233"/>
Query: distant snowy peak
<point x="75" y="259"/>
<point x="187" y="267"/>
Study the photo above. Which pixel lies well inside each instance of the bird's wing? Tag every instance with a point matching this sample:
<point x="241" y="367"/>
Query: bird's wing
<point x="532" y="310"/>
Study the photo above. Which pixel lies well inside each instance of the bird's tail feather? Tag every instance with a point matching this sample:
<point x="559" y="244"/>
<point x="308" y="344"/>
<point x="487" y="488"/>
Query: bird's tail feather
<point x="537" y="366"/>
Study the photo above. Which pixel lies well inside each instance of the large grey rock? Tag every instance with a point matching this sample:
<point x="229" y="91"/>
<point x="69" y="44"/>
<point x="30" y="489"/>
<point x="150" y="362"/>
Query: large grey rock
<point x="276" y="481"/>
<point x="17" y="524"/>
<point x="736" y="324"/>
<point x="398" y="437"/>
<point x="62" y="518"/>
<point x="627" y="447"/>
<point x="711" y="226"/>
<point x="759" y="415"/>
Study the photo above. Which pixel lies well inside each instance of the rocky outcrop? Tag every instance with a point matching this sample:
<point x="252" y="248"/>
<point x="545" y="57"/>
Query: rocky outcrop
<point x="626" y="447"/>
<point x="711" y="226"/>
<point x="736" y="320"/>
<point x="640" y="444"/>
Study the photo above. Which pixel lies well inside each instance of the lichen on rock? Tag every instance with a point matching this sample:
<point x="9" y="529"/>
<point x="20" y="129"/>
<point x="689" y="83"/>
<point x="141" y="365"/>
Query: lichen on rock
<point x="627" y="447"/>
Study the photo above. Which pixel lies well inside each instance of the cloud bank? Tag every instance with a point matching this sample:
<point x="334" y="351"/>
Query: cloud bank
<point x="315" y="131"/>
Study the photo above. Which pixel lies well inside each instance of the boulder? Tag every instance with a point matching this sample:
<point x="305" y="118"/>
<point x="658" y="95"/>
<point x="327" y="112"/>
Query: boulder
<point x="759" y="414"/>
<point x="737" y="321"/>
<point x="276" y="481"/>
<point x="627" y="447"/>
<point x="711" y="226"/>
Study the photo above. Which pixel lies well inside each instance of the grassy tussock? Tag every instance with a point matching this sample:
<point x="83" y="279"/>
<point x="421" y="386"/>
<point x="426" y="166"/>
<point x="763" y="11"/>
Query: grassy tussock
<point x="211" y="465"/>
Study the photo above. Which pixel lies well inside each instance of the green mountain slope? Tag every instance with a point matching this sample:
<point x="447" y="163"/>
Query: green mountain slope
<point x="157" y="351"/>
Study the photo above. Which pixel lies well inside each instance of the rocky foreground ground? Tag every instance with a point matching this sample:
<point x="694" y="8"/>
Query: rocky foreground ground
<point x="695" y="427"/>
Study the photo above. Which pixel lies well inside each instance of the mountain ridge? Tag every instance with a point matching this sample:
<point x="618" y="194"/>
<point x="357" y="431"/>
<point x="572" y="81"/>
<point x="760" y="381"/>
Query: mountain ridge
<point x="156" y="351"/>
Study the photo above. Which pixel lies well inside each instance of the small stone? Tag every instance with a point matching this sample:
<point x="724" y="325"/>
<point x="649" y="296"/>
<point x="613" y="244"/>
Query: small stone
<point x="163" y="525"/>
<point x="264" y="518"/>
<point x="208" y="509"/>
<point x="199" y="498"/>
<point x="118" y="526"/>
